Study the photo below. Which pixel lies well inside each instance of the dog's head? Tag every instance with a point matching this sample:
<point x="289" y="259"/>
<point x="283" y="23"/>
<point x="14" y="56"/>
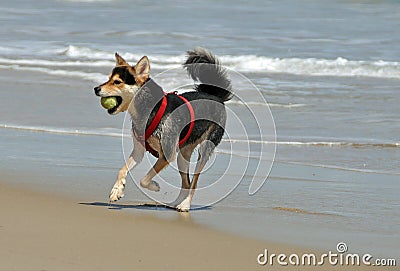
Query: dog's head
<point x="124" y="82"/>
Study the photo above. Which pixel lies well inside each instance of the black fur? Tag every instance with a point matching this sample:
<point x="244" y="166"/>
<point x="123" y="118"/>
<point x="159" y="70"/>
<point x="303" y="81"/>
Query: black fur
<point x="124" y="74"/>
<point x="154" y="95"/>
<point x="207" y="102"/>
<point x="204" y="67"/>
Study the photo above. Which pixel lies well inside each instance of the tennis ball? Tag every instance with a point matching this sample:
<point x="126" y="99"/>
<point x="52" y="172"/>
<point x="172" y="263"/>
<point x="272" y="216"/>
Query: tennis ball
<point x="109" y="102"/>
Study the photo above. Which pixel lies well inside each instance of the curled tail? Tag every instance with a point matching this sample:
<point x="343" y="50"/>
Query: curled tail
<point x="202" y="66"/>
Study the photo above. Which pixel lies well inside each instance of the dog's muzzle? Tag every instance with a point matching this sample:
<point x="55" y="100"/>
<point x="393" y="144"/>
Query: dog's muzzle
<point x="97" y="91"/>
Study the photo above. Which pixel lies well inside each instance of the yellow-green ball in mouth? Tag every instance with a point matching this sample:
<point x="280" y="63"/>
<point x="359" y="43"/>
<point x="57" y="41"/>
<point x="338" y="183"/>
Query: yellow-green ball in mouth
<point x="109" y="102"/>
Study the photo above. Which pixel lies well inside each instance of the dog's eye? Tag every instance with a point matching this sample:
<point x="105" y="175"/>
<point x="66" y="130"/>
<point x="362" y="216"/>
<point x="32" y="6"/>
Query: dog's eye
<point x="117" y="82"/>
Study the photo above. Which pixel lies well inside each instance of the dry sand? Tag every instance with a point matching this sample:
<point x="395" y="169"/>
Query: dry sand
<point x="48" y="232"/>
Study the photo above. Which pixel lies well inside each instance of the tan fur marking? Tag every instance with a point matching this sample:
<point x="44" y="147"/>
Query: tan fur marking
<point x="142" y="70"/>
<point x="155" y="144"/>
<point x="119" y="60"/>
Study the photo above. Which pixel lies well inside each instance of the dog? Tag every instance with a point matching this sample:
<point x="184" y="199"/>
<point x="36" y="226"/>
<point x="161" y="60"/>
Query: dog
<point x="177" y="133"/>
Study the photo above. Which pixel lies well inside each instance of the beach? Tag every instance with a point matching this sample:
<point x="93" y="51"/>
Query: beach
<point x="42" y="231"/>
<point x="55" y="233"/>
<point x="309" y="160"/>
<point x="46" y="232"/>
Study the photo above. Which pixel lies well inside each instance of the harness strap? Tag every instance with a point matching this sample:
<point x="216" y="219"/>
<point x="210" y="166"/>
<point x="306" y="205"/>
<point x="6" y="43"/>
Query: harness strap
<point x="191" y="125"/>
<point x="157" y="118"/>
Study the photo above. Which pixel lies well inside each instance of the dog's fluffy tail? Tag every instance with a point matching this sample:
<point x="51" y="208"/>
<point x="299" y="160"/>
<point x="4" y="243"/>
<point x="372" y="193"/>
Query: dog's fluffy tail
<point x="204" y="67"/>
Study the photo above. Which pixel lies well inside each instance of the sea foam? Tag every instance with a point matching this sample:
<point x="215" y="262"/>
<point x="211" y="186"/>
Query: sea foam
<point x="80" y="56"/>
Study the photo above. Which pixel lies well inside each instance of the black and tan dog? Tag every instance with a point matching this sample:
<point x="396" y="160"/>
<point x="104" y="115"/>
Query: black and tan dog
<point x="176" y="129"/>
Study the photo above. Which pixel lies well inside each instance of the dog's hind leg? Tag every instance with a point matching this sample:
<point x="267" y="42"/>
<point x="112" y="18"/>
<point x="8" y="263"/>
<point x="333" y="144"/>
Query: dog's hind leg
<point x="205" y="151"/>
<point x="134" y="159"/>
<point x="183" y="166"/>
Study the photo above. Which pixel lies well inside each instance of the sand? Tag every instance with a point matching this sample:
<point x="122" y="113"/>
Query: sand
<point x="41" y="231"/>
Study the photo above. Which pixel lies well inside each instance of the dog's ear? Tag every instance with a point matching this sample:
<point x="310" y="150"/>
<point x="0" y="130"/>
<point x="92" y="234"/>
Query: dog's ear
<point x="119" y="60"/>
<point x="142" y="70"/>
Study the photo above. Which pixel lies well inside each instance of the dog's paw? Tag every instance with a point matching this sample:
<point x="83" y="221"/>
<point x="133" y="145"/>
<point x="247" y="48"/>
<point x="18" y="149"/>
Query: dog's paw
<point x="153" y="186"/>
<point x="117" y="192"/>
<point x="184" y="206"/>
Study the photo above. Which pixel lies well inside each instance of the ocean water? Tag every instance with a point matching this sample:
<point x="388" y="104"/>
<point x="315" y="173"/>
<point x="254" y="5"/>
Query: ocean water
<point x="329" y="71"/>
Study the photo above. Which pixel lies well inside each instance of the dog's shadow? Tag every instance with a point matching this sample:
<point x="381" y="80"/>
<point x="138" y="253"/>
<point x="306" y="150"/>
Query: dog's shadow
<point x="151" y="206"/>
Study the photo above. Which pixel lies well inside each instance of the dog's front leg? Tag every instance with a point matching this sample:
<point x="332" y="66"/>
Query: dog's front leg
<point x="167" y="153"/>
<point x="134" y="159"/>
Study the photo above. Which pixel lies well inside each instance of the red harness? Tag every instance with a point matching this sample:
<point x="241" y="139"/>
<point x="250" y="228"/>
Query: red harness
<point x="157" y="118"/>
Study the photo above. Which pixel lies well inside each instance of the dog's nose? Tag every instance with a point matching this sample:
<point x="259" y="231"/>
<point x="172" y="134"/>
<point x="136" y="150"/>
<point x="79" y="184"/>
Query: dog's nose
<point x="97" y="91"/>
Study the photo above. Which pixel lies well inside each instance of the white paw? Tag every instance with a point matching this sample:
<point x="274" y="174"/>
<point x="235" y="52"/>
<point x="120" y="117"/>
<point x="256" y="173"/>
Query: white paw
<point x="117" y="192"/>
<point x="184" y="206"/>
<point x="152" y="186"/>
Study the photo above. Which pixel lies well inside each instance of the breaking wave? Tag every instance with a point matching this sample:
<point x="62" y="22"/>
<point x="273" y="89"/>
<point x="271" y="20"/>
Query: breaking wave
<point x="262" y="64"/>
<point x="323" y="143"/>
<point x="93" y="77"/>
<point x="78" y="56"/>
<point x="289" y="105"/>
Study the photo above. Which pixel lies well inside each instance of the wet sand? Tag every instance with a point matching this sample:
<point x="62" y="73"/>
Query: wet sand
<point x="42" y="231"/>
